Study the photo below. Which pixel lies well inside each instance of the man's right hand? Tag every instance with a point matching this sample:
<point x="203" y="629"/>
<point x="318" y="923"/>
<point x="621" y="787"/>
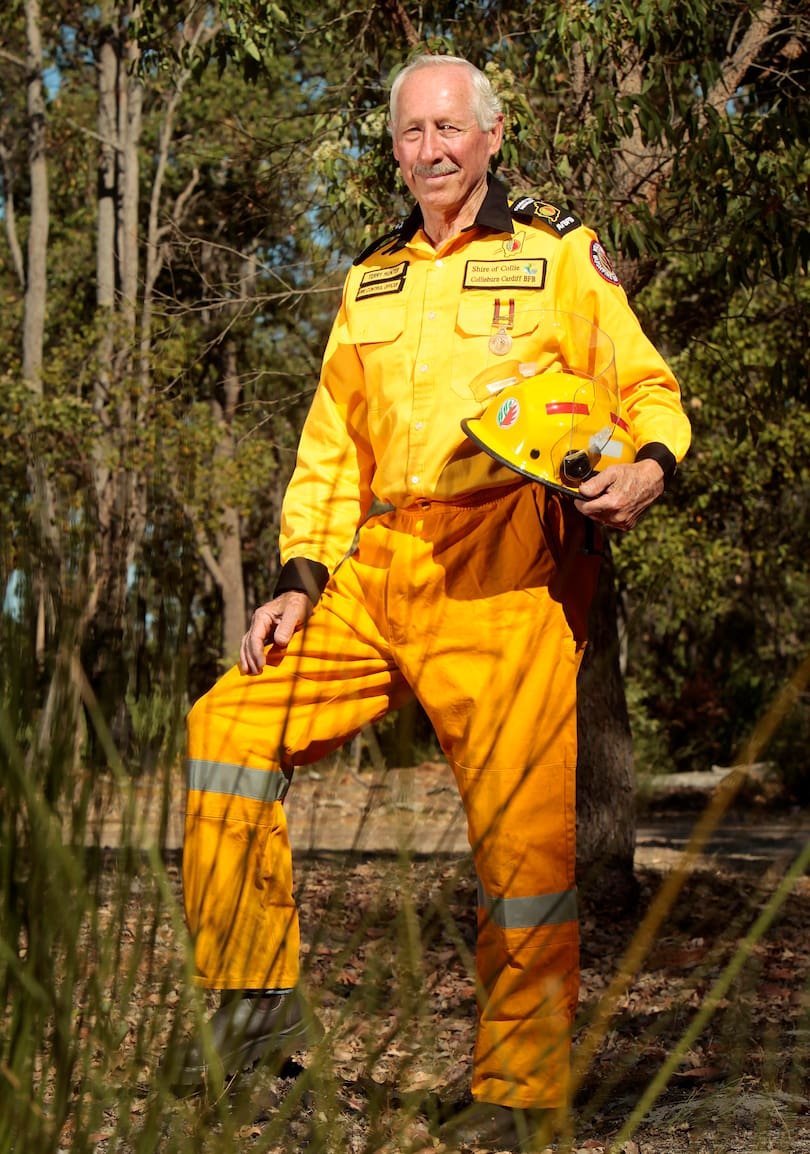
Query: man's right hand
<point x="274" y="622"/>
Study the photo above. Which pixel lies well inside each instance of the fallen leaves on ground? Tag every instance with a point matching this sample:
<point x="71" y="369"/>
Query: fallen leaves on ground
<point x="387" y="948"/>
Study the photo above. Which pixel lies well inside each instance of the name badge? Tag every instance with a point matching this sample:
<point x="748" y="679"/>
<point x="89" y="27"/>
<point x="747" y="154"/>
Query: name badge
<point x="506" y="274"/>
<point x="378" y="282"/>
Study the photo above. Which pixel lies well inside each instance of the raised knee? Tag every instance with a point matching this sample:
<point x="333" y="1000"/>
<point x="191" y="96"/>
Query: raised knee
<point x="201" y="719"/>
<point x="197" y="712"/>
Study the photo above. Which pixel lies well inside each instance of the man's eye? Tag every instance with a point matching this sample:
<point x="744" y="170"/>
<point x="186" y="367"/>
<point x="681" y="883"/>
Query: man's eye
<point x="448" y="129"/>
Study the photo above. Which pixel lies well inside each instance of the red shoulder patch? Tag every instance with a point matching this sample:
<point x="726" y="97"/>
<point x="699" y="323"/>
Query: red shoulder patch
<point x="602" y="263"/>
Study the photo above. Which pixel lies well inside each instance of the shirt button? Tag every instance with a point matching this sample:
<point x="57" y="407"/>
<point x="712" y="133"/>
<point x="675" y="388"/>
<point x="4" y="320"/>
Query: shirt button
<point x="419" y="424"/>
<point x="439" y="263"/>
<point x="431" y="315"/>
<point x="423" y="368"/>
<point x="414" y="480"/>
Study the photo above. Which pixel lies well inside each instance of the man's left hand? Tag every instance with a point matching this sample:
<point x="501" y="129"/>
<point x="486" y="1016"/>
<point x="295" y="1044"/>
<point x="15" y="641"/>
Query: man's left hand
<point x="620" y="494"/>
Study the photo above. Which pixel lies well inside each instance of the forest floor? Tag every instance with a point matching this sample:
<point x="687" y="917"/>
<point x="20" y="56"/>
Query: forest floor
<point x="386" y="895"/>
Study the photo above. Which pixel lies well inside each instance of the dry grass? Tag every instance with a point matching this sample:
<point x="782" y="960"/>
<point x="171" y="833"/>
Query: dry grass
<point x="704" y="1049"/>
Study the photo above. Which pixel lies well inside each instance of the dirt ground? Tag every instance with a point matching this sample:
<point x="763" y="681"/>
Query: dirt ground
<point x="387" y="902"/>
<point x="333" y="807"/>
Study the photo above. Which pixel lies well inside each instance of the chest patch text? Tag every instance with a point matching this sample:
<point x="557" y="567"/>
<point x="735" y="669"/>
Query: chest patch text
<point x="379" y="282"/>
<point x="529" y="273"/>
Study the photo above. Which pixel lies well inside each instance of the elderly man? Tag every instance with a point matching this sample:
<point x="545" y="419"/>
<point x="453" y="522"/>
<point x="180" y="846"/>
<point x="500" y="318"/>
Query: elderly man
<point x="471" y="593"/>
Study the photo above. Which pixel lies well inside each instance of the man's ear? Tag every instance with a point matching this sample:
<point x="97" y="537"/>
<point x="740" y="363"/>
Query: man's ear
<point x="497" y="136"/>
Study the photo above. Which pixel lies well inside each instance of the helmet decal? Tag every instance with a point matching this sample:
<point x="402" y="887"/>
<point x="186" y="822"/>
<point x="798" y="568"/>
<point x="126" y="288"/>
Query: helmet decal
<point x="508" y="413"/>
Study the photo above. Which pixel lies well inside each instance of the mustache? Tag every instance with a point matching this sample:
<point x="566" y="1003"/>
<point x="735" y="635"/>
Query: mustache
<point x="441" y="168"/>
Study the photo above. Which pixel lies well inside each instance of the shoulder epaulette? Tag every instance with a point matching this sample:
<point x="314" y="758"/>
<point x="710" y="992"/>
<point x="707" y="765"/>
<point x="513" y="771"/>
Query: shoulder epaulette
<point x="560" y="219"/>
<point x="377" y="244"/>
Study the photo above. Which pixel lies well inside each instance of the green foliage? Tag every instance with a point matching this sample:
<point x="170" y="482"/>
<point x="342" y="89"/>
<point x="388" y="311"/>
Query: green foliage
<point x="716" y="576"/>
<point x="73" y="953"/>
<point x="279" y="170"/>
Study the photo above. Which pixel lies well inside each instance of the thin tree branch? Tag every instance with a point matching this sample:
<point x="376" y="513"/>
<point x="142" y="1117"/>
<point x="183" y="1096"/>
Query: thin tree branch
<point x="12" y="59"/>
<point x="401" y="18"/>
<point x="11" y="218"/>
<point x="734" y="67"/>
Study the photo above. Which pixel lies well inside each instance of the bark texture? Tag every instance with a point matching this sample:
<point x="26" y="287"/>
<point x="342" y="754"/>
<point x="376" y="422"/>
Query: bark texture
<point x="605" y="777"/>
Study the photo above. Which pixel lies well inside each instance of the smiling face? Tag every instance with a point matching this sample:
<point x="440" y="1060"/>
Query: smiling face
<point x="441" y="149"/>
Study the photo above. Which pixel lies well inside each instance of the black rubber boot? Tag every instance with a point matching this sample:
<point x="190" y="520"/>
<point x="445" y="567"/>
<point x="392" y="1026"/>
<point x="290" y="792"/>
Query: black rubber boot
<point x="247" y="1029"/>
<point x="485" y="1126"/>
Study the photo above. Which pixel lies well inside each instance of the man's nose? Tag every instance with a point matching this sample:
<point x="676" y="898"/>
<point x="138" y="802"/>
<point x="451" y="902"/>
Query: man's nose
<point x="430" y="146"/>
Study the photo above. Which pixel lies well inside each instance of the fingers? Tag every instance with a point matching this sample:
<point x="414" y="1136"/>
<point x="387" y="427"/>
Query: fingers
<point x="618" y="496"/>
<point x="595" y="485"/>
<point x="275" y="622"/>
<point x="294" y="614"/>
<point x="262" y="626"/>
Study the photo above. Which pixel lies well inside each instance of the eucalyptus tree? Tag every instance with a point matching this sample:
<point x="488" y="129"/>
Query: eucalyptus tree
<point x="218" y="166"/>
<point x="679" y="131"/>
<point x="146" y="308"/>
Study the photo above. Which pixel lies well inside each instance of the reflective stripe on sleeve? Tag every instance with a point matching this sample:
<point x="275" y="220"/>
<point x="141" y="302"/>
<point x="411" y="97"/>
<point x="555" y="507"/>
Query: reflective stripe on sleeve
<point x="236" y="780"/>
<point x="526" y="913"/>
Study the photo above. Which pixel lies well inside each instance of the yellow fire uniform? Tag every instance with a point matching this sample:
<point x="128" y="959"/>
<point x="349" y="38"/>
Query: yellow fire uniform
<point x="471" y="593"/>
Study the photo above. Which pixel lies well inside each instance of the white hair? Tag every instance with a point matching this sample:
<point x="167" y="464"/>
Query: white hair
<point x="486" y="105"/>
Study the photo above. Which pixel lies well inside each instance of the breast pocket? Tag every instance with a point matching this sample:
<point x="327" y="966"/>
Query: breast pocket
<point x="497" y="341"/>
<point x="377" y="332"/>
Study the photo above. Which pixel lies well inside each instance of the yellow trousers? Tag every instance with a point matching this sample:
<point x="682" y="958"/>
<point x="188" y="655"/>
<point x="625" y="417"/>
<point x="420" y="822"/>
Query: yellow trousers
<point x="478" y="609"/>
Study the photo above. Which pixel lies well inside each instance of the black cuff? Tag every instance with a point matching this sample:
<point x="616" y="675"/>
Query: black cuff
<point x="304" y="576"/>
<point x="655" y="451"/>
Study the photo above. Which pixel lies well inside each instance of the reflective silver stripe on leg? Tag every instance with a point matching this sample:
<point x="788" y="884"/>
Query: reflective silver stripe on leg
<point x="526" y="913"/>
<point x="236" y="780"/>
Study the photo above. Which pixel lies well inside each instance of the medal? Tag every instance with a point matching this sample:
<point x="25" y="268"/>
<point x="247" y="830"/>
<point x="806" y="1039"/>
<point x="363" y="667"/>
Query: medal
<point x="500" y="342"/>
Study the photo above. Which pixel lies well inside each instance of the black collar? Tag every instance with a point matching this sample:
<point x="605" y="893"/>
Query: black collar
<point x="493" y="214"/>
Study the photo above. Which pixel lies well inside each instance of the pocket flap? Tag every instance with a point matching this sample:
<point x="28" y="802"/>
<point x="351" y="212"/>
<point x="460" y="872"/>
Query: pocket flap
<point x="369" y="325"/>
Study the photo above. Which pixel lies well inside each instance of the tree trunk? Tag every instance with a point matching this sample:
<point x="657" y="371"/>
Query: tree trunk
<point x="36" y="289"/>
<point x="605" y="790"/>
<point x="229" y="537"/>
<point x="117" y="487"/>
<point x="36" y="277"/>
<point x="105" y="240"/>
<point x="605" y="778"/>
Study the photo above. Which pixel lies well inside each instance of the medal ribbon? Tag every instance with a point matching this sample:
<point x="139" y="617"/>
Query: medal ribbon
<point x="501" y="323"/>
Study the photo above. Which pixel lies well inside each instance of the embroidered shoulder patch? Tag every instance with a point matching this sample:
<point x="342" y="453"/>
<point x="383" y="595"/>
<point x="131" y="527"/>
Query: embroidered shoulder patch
<point x="561" y="220"/>
<point x="602" y="263"/>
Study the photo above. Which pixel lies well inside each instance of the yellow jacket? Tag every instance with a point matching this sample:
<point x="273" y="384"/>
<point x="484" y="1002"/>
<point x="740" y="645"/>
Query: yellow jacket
<point x="414" y="334"/>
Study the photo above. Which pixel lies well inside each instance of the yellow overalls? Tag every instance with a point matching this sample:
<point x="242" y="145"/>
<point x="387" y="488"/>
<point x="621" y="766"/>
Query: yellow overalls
<point x="472" y="594"/>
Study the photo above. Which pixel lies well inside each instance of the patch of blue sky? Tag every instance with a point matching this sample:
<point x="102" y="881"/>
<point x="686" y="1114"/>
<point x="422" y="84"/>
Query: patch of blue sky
<point x="14" y="597"/>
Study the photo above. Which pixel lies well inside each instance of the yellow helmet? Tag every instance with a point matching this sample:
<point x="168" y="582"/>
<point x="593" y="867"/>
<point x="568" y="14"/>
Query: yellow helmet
<point x="556" y="419"/>
<point x="555" y="427"/>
